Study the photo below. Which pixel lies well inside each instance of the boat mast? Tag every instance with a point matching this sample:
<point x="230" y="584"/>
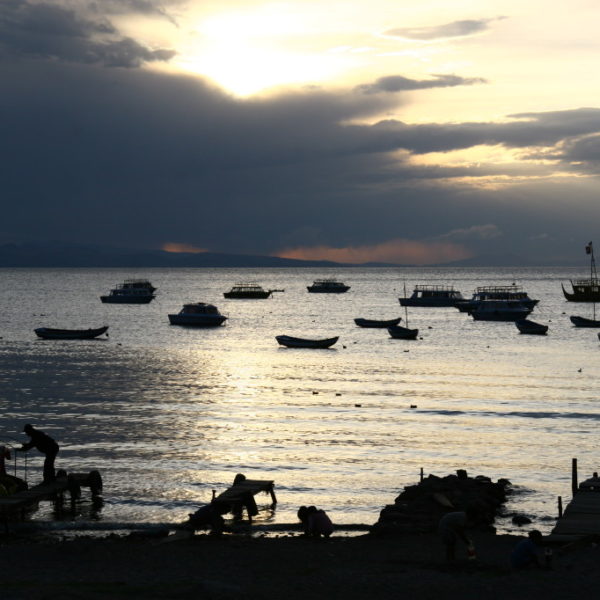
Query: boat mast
<point x="405" y="307"/>
<point x="593" y="274"/>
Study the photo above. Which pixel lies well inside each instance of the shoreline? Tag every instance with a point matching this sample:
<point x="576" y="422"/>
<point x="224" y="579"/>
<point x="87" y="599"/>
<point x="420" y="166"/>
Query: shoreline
<point x="289" y="565"/>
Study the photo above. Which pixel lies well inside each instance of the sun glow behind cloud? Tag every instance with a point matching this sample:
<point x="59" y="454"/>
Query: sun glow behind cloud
<point x="246" y="52"/>
<point x="396" y="251"/>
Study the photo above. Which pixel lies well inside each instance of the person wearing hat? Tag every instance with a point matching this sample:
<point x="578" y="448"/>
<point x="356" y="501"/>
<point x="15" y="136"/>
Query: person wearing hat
<point x="46" y="445"/>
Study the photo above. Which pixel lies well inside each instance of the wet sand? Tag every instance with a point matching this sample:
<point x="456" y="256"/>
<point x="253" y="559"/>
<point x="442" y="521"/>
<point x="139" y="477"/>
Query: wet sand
<point x="288" y="567"/>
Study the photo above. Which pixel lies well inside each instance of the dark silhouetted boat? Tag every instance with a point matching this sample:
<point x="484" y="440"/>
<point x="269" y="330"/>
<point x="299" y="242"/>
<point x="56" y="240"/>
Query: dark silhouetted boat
<point x="131" y="291"/>
<point x="198" y="314"/>
<point x="531" y="327"/>
<point x="48" y="333"/>
<point x="583" y="322"/>
<point x="377" y="324"/>
<point x="585" y="290"/>
<point x="327" y="286"/>
<point x="247" y="291"/>
<point x="432" y="296"/>
<point x="496" y="292"/>
<point x="294" y="342"/>
<point x="500" y="310"/>
<point x="403" y="333"/>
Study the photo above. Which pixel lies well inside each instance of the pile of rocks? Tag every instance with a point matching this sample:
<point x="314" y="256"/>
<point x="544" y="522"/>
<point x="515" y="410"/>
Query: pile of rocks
<point x="419" y="508"/>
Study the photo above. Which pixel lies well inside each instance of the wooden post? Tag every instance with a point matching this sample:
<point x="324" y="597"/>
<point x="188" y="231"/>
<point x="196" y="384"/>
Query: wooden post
<point x="421" y="474"/>
<point x="560" y="507"/>
<point x="574" y="482"/>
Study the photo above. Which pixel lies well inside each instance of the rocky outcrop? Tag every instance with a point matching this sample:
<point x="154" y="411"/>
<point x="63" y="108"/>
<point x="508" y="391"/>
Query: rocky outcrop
<point x="419" y="508"/>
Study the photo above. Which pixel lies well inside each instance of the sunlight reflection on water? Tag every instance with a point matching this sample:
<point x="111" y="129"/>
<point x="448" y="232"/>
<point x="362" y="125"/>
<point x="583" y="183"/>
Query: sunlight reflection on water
<point x="168" y="414"/>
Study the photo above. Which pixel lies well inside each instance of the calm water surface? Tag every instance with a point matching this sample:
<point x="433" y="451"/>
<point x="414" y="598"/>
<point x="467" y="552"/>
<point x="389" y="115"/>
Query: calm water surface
<point x="167" y="414"/>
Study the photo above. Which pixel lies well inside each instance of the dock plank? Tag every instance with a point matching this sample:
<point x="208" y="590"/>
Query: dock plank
<point x="581" y="517"/>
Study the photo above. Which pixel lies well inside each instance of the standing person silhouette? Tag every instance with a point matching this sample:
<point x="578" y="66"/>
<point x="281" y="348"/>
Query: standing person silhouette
<point x="46" y="445"/>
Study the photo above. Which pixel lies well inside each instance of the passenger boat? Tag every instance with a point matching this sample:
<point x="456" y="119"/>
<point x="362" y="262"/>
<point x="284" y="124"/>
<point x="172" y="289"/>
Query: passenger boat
<point x="294" y="342"/>
<point x="131" y="291"/>
<point x="247" y="290"/>
<point x="432" y="295"/>
<point x="403" y="333"/>
<point x="496" y="292"/>
<point x="500" y="310"/>
<point x="585" y="290"/>
<point x="531" y="327"/>
<point x="377" y="324"/>
<point x="327" y="286"/>
<point x="47" y="333"/>
<point x="198" y="314"/>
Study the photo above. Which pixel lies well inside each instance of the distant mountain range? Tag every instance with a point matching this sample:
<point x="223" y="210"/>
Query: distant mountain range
<point x="65" y="255"/>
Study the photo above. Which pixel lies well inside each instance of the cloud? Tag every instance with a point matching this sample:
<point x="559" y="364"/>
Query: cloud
<point x="176" y="248"/>
<point x="53" y="32"/>
<point x="482" y="232"/>
<point x="397" y="251"/>
<point x="398" y="83"/>
<point x="454" y="29"/>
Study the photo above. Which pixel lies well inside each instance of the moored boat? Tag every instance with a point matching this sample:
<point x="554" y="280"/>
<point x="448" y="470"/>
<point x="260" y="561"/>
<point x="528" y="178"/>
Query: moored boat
<point x="327" y="286"/>
<point x="131" y="291"/>
<point x="531" y="327"/>
<point x="585" y="290"/>
<point x="247" y="291"/>
<point x="294" y="342"/>
<point x="49" y="333"/>
<point x="377" y="324"/>
<point x="402" y="333"/>
<point x="496" y="292"/>
<point x="432" y="296"/>
<point x="583" y="322"/>
<point x="499" y="310"/>
<point x="198" y="314"/>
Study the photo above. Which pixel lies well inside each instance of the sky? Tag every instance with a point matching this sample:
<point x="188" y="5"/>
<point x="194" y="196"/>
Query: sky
<point x="381" y="130"/>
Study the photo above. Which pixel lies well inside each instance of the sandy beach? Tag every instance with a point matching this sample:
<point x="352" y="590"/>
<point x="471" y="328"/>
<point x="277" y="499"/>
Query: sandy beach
<point x="282" y="566"/>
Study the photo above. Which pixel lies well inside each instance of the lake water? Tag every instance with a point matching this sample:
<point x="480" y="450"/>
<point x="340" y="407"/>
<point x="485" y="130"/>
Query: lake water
<point x="168" y="414"/>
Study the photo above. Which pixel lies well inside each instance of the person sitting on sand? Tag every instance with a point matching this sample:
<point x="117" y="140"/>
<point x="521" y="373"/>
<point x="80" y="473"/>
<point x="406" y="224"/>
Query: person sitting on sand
<point x="526" y="554"/>
<point x="46" y="445"/>
<point x="452" y="527"/>
<point x="316" y="522"/>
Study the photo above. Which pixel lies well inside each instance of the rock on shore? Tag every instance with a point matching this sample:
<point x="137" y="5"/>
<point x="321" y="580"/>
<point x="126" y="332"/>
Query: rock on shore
<point x="419" y="508"/>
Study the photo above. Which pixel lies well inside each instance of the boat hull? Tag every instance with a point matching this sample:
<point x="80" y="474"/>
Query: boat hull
<point x="530" y="327"/>
<point x="197" y="320"/>
<point x="583" y="322"/>
<point x="500" y="315"/>
<point x="403" y="333"/>
<point x="127" y="299"/>
<point x="428" y="302"/>
<point x="48" y="333"/>
<point x="292" y="342"/>
<point x="248" y="295"/>
<point x="582" y="293"/>
<point x="322" y="290"/>
<point x="370" y="323"/>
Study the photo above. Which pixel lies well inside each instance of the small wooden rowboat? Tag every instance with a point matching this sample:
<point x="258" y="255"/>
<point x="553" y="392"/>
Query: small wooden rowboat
<point x="403" y="333"/>
<point x="293" y="342"/>
<point x="48" y="333"/>
<point x="583" y="322"/>
<point x="379" y="324"/>
<point x="527" y="326"/>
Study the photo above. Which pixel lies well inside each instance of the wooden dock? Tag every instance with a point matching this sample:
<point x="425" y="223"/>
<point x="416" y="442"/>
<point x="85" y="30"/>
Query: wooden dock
<point x="581" y="518"/>
<point x="16" y="505"/>
<point x="241" y="495"/>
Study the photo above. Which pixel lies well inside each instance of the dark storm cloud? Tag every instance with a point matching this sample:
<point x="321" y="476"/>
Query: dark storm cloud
<point x="447" y="30"/>
<point x="398" y="83"/>
<point x="138" y="158"/>
<point x="47" y="31"/>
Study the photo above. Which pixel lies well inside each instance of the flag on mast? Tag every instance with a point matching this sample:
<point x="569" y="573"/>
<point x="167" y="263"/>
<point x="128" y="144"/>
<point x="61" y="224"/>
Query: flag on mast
<point x="588" y="248"/>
